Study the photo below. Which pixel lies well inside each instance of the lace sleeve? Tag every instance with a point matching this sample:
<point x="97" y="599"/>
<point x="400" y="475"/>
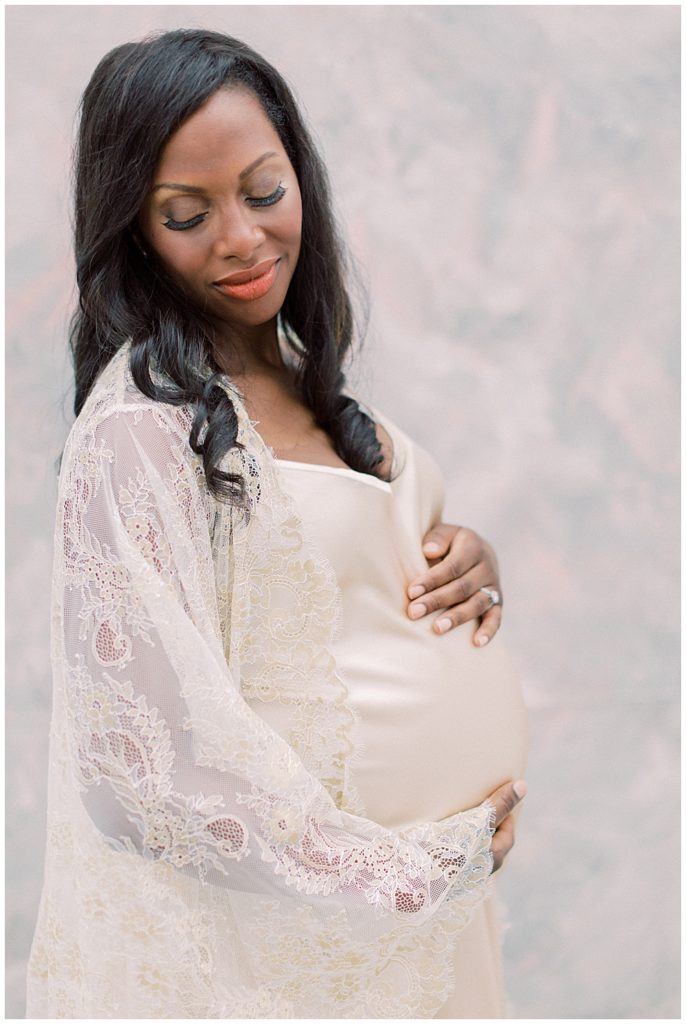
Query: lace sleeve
<point x="171" y="762"/>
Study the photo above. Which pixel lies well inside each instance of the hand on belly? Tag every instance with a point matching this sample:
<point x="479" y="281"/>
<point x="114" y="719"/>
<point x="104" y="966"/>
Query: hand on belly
<point x="441" y="723"/>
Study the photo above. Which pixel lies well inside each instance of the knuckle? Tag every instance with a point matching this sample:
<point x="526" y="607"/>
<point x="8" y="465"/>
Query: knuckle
<point x="452" y="567"/>
<point x="474" y="542"/>
<point x="456" y="616"/>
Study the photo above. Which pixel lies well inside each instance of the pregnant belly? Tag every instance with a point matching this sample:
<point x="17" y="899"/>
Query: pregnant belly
<point x="441" y="722"/>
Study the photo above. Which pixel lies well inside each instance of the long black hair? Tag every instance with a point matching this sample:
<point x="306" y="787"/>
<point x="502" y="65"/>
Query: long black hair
<point x="138" y="95"/>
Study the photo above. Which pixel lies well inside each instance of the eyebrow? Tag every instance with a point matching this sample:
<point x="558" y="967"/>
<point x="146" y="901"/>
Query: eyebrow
<point x="198" y="191"/>
<point x="256" y="163"/>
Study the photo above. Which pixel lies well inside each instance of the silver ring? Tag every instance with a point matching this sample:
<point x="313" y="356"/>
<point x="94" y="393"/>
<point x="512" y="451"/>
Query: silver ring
<point x="493" y="594"/>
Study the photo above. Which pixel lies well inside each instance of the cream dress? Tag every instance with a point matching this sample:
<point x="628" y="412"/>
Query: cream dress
<point x="441" y="723"/>
<point x="237" y="825"/>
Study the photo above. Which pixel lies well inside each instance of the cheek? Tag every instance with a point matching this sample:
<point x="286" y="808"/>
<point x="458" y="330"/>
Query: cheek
<point x="179" y="254"/>
<point x="292" y="222"/>
<point x="180" y="257"/>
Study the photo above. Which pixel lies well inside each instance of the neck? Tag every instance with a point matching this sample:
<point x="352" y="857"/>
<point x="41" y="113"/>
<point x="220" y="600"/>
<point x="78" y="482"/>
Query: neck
<point x="255" y="351"/>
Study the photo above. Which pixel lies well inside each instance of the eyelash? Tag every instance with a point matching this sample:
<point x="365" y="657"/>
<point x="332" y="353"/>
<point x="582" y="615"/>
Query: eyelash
<point x="183" y="225"/>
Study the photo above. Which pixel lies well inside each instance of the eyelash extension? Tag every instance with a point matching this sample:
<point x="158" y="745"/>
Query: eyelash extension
<point x="278" y="193"/>
<point x="183" y="225"/>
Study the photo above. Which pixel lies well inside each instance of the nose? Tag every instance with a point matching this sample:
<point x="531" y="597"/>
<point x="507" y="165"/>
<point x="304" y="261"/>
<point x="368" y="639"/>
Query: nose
<point x="239" y="232"/>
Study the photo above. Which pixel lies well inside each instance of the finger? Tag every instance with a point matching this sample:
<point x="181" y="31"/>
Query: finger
<point x="502" y="842"/>
<point x="453" y="592"/>
<point x="506" y="831"/>
<point x="466" y="544"/>
<point x="438" y="539"/>
<point x="450" y="582"/>
<point x="474" y="608"/>
<point x="489" y="558"/>
<point x="451" y="567"/>
<point x="490" y="624"/>
<point x="466" y="550"/>
<point x="505" y="798"/>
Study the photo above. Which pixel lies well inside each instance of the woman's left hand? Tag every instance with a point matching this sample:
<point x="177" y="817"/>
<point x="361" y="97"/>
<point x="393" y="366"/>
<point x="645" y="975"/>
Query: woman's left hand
<point x="460" y="563"/>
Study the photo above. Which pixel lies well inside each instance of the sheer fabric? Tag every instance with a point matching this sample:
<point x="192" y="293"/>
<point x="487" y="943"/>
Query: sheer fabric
<point x="199" y="862"/>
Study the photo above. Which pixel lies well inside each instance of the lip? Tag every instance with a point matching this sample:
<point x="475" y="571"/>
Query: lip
<point x="252" y="283"/>
<point x="248" y="275"/>
<point x="255" y="287"/>
<point x="243" y="276"/>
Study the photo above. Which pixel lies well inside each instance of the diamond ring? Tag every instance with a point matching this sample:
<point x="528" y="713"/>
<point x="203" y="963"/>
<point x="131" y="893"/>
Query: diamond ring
<point x="493" y="594"/>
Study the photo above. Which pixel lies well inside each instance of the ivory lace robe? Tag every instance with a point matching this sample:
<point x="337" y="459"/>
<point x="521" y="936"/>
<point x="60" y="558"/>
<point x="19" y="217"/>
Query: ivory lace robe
<point x="198" y="862"/>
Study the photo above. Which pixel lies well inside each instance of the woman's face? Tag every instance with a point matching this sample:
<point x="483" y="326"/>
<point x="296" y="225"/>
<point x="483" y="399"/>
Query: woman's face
<point x="225" y="201"/>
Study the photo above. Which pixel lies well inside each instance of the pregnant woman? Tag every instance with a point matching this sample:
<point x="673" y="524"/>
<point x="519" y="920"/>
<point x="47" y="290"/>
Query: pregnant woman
<point x="271" y="792"/>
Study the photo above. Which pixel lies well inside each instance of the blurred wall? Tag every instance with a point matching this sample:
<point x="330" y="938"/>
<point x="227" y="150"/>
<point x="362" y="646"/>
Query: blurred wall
<point x="508" y="176"/>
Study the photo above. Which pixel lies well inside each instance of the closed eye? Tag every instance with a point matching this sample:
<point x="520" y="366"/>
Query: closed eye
<point x="183" y="225"/>
<point x="278" y="193"/>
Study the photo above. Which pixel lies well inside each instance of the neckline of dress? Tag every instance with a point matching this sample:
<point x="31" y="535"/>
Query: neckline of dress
<point x="289" y="359"/>
<point x="356" y="474"/>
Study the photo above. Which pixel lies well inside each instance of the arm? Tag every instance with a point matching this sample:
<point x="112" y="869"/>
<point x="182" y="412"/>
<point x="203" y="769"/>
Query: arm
<point x="173" y="764"/>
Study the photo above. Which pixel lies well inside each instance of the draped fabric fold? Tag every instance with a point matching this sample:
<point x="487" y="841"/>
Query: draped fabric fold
<point x="199" y="863"/>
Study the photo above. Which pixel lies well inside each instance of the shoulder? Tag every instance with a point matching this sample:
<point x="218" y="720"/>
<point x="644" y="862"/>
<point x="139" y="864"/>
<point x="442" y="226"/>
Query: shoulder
<point x="121" y="430"/>
<point x="400" y="450"/>
<point x="403" y="449"/>
<point x="137" y="456"/>
<point x="393" y="440"/>
<point x="117" y="408"/>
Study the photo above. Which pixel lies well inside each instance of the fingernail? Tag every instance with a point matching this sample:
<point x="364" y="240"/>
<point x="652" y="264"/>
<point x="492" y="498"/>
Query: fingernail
<point x="443" y="625"/>
<point x="416" y="591"/>
<point x="431" y="547"/>
<point x="483" y="639"/>
<point x="520" y="787"/>
<point x="417" y="610"/>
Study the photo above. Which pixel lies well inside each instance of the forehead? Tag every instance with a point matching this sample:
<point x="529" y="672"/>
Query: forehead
<point x="227" y="132"/>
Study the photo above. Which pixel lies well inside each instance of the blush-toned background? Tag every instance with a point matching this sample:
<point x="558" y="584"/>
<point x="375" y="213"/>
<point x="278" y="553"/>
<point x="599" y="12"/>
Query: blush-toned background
<point x="508" y="178"/>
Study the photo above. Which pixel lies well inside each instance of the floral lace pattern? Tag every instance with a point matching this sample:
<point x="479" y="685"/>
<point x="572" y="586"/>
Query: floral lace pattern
<point x="199" y="863"/>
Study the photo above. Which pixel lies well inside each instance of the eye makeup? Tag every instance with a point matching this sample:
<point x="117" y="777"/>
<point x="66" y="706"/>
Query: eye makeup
<point x="256" y="201"/>
<point x="183" y="225"/>
<point x="278" y="193"/>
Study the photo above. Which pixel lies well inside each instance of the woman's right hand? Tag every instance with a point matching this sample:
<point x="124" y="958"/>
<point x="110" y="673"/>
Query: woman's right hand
<point x="505" y="798"/>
